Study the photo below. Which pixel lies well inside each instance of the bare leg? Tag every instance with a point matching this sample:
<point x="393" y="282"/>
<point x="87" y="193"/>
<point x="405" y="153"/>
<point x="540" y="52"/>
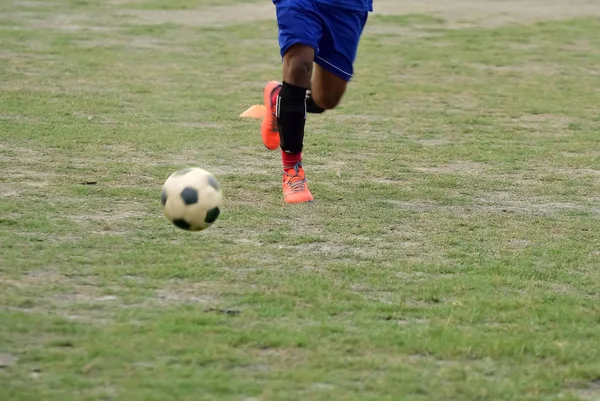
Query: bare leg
<point x="327" y="88"/>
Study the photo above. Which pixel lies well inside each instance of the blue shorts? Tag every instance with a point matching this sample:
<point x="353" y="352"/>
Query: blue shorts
<point x="333" y="32"/>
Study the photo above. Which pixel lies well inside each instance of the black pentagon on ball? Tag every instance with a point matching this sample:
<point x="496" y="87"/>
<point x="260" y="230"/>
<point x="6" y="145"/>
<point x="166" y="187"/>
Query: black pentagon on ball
<point x="211" y="215"/>
<point x="182" y="172"/>
<point x="189" y="195"/>
<point x="163" y="197"/>
<point x="181" y="223"/>
<point x="213" y="183"/>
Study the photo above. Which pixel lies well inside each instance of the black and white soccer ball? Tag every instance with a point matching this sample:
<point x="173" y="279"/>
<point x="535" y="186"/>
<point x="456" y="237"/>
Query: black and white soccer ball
<point x="191" y="199"/>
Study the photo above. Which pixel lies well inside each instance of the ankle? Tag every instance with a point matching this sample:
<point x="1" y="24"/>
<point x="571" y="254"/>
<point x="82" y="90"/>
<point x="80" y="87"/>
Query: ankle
<point x="290" y="160"/>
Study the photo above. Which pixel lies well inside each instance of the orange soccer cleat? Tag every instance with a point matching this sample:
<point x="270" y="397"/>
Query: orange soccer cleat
<point x="295" y="187"/>
<point x="269" y="129"/>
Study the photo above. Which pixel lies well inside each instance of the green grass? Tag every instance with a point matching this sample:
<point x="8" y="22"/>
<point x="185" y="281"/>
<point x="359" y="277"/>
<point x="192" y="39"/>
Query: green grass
<point x="452" y="253"/>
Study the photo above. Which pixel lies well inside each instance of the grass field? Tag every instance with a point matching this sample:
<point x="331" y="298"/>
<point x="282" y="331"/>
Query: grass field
<point x="452" y="254"/>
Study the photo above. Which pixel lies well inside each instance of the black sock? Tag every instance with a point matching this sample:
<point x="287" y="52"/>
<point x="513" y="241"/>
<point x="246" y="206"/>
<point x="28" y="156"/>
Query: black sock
<point x="291" y="116"/>
<point x="311" y="106"/>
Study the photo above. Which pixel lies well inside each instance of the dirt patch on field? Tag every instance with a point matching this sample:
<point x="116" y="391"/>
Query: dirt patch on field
<point x="457" y="13"/>
<point x="485" y="13"/>
<point x="558" y="124"/>
<point x="121" y="212"/>
<point x="459" y="167"/>
<point x="499" y="202"/>
<point x="492" y="12"/>
<point x="8" y="190"/>
<point x="179" y="296"/>
<point x="590" y="392"/>
<point x="209" y="16"/>
<point x="521" y="69"/>
<point x="435" y="142"/>
<point x="66" y="22"/>
<point x="67" y="296"/>
<point x="510" y="203"/>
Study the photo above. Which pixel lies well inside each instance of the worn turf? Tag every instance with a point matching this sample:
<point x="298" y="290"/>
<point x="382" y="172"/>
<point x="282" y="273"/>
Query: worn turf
<point x="452" y="253"/>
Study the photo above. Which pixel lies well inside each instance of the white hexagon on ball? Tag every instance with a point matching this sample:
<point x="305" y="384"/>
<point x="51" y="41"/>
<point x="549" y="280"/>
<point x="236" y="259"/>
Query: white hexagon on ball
<point x="191" y="199"/>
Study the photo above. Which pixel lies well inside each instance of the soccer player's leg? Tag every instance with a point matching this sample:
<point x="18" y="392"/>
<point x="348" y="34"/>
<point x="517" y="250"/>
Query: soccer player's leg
<point x="299" y="34"/>
<point x="336" y="56"/>
<point x="300" y="30"/>
<point x="327" y="88"/>
<point x="291" y="115"/>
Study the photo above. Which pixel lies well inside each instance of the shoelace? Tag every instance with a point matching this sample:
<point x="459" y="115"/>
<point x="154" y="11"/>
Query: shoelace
<point x="296" y="182"/>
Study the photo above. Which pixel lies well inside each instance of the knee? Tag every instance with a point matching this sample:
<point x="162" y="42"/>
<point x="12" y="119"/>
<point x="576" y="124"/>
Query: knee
<point x="298" y="71"/>
<point x="327" y="101"/>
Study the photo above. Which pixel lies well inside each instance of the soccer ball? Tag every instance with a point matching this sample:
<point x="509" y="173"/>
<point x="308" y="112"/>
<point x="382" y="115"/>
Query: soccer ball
<point x="191" y="199"/>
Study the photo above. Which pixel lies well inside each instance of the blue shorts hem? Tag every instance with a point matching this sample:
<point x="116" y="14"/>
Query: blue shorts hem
<point x="286" y="46"/>
<point x="335" y="70"/>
